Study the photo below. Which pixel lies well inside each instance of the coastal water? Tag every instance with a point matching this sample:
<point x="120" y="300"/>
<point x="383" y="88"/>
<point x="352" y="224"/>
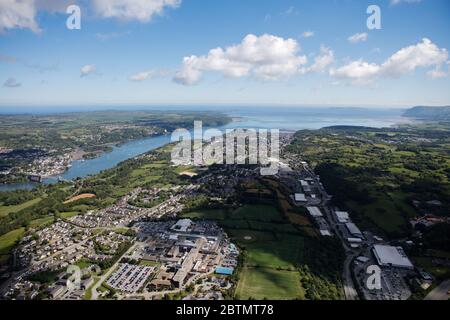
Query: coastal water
<point x="248" y="117"/>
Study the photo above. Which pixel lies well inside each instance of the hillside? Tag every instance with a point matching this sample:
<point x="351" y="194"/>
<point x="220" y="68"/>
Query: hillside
<point x="429" y="113"/>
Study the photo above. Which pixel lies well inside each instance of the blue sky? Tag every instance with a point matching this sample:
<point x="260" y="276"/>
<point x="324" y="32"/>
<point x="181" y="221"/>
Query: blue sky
<point x="270" y="53"/>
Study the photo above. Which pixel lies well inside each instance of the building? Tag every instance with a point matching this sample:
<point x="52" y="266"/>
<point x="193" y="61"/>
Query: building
<point x="183" y="225"/>
<point x="325" y="233"/>
<point x="300" y="197"/>
<point x="362" y="259"/>
<point x="354" y="230"/>
<point x="342" y="216"/>
<point x="314" y="211"/>
<point x="57" y="291"/>
<point x="224" y="271"/>
<point x="354" y="240"/>
<point x="389" y="256"/>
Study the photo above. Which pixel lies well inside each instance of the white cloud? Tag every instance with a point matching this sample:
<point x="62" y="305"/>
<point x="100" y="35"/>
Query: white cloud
<point x="21" y="14"/>
<point x="149" y="74"/>
<point x="396" y="2"/>
<point x="291" y="11"/>
<point x="265" y="57"/>
<point x="140" y="10"/>
<point x="421" y="55"/>
<point x="53" y="6"/>
<point x="358" y="37"/>
<point x="18" y="14"/>
<point x="358" y="72"/>
<point x="87" y="70"/>
<point x="11" y="83"/>
<point x="307" y="34"/>
<point x="322" y="61"/>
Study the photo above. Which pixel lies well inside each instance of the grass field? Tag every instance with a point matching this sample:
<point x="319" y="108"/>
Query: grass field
<point x="264" y="213"/>
<point x="5" y="210"/>
<point x="37" y="223"/>
<point x="261" y="283"/>
<point x="67" y="215"/>
<point x="213" y="214"/>
<point x="8" y="240"/>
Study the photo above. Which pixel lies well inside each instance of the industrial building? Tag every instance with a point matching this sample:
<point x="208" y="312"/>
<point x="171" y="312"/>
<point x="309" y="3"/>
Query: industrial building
<point x="342" y="216"/>
<point x="354" y="230"/>
<point x="390" y="256"/>
<point x="314" y="211"/>
<point x="300" y="197"/>
<point x="183" y="225"/>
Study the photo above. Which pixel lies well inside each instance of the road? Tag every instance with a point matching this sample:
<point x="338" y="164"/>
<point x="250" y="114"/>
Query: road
<point x="349" y="286"/>
<point x="440" y="292"/>
<point x="104" y="277"/>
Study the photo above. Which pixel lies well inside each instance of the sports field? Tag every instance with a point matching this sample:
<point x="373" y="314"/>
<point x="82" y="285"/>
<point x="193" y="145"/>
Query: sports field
<point x="261" y="283"/>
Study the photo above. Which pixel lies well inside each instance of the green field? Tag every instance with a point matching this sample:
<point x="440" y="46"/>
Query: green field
<point x="212" y="214"/>
<point x="8" y="240"/>
<point x="263" y="213"/>
<point x="263" y="283"/>
<point x="37" y="223"/>
<point x="5" y="210"/>
<point x="67" y="215"/>
<point x="275" y="254"/>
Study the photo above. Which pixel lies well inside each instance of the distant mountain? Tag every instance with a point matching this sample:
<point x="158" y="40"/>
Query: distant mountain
<point x="428" y="113"/>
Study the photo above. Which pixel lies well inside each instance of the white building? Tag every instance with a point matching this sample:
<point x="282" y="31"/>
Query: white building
<point x="182" y="225"/>
<point x="300" y="197"/>
<point x="314" y="211"/>
<point x="389" y="256"/>
<point x="354" y="230"/>
<point x="342" y="216"/>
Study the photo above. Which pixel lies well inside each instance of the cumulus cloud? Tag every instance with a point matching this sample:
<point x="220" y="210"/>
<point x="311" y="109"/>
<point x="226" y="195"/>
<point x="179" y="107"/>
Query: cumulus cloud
<point x="322" y="61"/>
<point x="358" y="37"/>
<point x="266" y="57"/>
<point x="53" y="6"/>
<point x="87" y="70"/>
<point x="21" y="14"/>
<point x="18" y="14"/>
<point x="11" y="83"/>
<point x="149" y="74"/>
<point x="307" y="34"/>
<point x="358" y="72"/>
<point x="140" y="10"/>
<point x="421" y="55"/>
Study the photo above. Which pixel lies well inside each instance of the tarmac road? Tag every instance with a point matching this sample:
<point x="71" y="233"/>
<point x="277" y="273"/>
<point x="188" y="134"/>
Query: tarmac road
<point x="440" y="292"/>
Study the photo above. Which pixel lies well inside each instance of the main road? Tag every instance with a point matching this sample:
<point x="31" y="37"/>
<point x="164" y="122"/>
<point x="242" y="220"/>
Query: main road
<point x="441" y="292"/>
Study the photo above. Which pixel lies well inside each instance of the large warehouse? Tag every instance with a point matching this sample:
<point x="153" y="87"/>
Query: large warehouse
<point x="389" y="256"/>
